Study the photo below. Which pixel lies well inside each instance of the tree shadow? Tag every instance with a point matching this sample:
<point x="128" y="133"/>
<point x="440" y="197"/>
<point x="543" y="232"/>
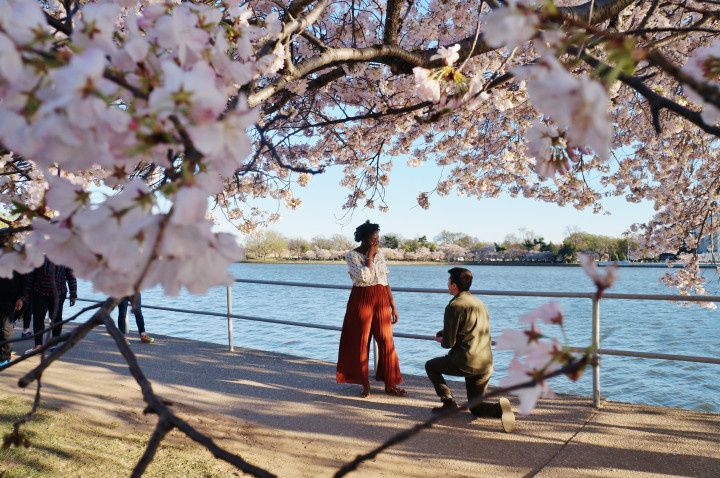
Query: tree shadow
<point x="298" y="397"/>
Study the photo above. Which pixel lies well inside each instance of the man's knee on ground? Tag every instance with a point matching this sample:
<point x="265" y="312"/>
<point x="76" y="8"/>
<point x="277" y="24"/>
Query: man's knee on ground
<point x="431" y="366"/>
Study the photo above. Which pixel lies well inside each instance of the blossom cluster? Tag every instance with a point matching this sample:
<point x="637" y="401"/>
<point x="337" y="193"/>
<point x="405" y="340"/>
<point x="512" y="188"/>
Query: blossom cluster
<point x="132" y="84"/>
<point x="537" y="355"/>
<point x="704" y="67"/>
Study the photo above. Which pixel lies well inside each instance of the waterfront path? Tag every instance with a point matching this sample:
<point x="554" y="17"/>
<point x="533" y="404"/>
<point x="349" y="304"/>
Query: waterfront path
<point x="288" y="415"/>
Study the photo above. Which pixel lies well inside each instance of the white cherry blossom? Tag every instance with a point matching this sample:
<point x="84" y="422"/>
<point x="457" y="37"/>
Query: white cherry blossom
<point x="510" y="26"/>
<point x="449" y="55"/>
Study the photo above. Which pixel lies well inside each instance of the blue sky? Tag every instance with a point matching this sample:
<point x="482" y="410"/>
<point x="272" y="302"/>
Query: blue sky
<point x="487" y="219"/>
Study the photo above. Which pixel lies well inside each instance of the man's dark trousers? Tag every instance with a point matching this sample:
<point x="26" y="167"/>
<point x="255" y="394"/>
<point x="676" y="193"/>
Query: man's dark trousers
<point x="474" y="384"/>
<point x="43" y="305"/>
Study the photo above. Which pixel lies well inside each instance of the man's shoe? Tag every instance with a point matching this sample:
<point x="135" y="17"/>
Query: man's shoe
<point x="447" y="405"/>
<point x="26" y="334"/>
<point x="146" y="339"/>
<point x="508" y="417"/>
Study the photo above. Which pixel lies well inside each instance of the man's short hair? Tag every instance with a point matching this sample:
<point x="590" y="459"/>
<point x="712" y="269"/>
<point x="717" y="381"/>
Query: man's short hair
<point x="461" y="277"/>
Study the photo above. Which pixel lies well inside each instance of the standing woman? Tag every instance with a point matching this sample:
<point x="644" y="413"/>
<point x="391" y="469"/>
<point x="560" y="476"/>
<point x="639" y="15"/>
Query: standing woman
<point x="371" y="308"/>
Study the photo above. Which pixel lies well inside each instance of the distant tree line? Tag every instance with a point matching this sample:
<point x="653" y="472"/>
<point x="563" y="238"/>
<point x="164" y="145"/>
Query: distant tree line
<point x="524" y="246"/>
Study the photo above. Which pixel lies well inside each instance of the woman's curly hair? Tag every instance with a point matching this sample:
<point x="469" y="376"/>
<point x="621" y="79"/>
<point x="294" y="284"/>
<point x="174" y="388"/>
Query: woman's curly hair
<point x="364" y="230"/>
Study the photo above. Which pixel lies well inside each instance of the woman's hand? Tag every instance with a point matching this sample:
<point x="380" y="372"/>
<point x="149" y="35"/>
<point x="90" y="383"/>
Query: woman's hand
<point x="394" y="316"/>
<point x="373" y="249"/>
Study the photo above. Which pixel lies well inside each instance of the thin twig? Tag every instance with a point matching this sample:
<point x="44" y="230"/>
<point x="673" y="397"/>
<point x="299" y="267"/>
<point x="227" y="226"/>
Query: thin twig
<point x="75" y="336"/>
<point x="162" y="428"/>
<point x="15" y="437"/>
<point x="48" y="329"/>
<point x="410" y="432"/>
<point x="159" y="407"/>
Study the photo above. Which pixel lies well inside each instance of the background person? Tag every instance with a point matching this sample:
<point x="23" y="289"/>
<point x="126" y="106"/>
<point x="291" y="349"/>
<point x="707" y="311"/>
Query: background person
<point x="466" y="332"/>
<point x="370" y="309"/>
<point x="11" y="292"/>
<point x="135" y="302"/>
<point x="27" y="320"/>
<point x="47" y="288"/>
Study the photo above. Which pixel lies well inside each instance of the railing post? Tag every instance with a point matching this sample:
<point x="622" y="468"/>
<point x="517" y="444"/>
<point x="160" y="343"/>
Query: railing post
<point x="596" y="347"/>
<point x="229" y="318"/>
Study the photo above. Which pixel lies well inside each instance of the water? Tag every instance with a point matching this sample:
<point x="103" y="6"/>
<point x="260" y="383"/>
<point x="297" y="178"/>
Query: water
<point x="647" y="326"/>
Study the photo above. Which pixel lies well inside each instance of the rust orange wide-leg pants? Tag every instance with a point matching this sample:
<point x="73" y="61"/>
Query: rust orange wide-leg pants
<point x="368" y="310"/>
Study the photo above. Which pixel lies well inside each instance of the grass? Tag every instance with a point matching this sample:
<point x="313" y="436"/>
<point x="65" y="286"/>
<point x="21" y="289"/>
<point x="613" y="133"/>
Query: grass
<point x="69" y="444"/>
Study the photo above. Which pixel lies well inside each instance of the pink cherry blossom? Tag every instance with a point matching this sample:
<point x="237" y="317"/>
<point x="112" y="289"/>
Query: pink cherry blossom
<point x="518" y="373"/>
<point x="449" y="55"/>
<point x="509" y="26"/>
<point x="548" y="313"/>
<point x="602" y="281"/>
<point x="10" y="62"/>
<point x="427" y="88"/>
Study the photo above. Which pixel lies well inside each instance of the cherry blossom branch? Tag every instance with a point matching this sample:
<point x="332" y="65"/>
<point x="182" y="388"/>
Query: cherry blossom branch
<point x="276" y="157"/>
<point x="52" y="326"/>
<point x="393" y="22"/>
<point x="641" y="31"/>
<point x="9" y="231"/>
<point x="708" y="92"/>
<point x="404" y="435"/>
<point x="656" y="101"/>
<point x="298" y="6"/>
<point x="168" y="419"/>
<point x="293" y="26"/>
<point x="38" y="351"/>
<point x="162" y="428"/>
<point x="402" y="61"/>
<point x="76" y="336"/>
<point x="16" y="437"/>
<point x="648" y="14"/>
<point x="597" y="11"/>
<point x="57" y="24"/>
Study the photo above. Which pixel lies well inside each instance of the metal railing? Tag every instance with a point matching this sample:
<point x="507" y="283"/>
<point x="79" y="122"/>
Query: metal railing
<point x="595" y="336"/>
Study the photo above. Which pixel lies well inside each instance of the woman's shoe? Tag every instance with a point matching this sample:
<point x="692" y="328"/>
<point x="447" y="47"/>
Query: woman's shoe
<point x="397" y="391"/>
<point x="365" y="392"/>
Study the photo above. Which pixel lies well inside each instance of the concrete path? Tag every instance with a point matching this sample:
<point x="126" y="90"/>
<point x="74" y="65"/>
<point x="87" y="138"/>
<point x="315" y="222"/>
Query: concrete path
<point x="288" y="415"/>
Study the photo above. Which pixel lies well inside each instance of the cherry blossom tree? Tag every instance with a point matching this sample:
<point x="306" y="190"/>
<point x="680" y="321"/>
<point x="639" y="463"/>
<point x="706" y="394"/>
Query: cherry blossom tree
<point x="173" y="103"/>
<point x="123" y="122"/>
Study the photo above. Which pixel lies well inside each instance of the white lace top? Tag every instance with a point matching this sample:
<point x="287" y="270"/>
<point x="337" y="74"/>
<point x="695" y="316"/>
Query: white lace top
<point x="363" y="276"/>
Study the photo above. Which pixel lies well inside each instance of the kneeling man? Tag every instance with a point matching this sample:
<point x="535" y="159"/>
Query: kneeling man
<point x="466" y="332"/>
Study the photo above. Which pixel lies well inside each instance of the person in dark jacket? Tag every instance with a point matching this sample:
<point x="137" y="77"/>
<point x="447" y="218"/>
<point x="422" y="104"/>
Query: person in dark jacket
<point x="47" y="288"/>
<point x="11" y="293"/>
<point x="466" y="332"/>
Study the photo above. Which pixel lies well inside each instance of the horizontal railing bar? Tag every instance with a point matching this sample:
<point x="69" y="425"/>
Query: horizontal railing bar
<point x="649" y="355"/>
<point x="235" y="316"/>
<point x="510" y="293"/>
<point x="621" y="353"/>
<point x="263" y="319"/>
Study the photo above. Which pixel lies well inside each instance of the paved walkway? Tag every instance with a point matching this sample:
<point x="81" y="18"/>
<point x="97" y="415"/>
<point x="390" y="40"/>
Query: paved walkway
<point x="288" y="415"/>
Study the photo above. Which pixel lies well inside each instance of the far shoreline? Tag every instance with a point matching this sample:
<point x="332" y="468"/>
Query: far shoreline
<point x="656" y="265"/>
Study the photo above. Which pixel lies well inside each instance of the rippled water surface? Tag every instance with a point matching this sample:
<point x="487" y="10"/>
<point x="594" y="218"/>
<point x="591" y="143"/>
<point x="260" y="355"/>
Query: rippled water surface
<point x="647" y="326"/>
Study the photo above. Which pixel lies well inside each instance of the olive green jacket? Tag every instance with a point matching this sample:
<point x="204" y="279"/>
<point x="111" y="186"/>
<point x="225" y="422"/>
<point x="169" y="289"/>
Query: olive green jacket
<point x="466" y="333"/>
